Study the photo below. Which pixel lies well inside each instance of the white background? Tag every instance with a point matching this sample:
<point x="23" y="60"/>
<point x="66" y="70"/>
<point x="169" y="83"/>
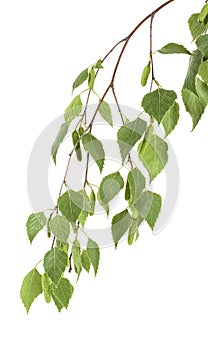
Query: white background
<point x="153" y="295"/>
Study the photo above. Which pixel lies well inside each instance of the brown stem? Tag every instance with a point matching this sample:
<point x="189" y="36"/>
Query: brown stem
<point x="151" y="56"/>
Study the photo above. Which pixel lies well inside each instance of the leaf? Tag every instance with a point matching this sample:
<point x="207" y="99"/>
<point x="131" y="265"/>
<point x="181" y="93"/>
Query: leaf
<point x="110" y="186"/>
<point x="74" y="109"/>
<point x="76" y="144"/>
<point x="202" y="91"/>
<point x="91" y="78"/>
<point x="35" y="224"/>
<point x="95" y="148"/>
<point x="173" y="48"/>
<point x="194" y="106"/>
<point x="68" y="208"/>
<point x="55" y="262"/>
<point x="105" y="112"/>
<point x="80" y="79"/>
<point x="136" y="182"/>
<point x="85" y="260"/>
<point x="63" y="292"/>
<point x="170" y="119"/>
<point x="76" y="255"/>
<point x="203" y="14"/>
<point x="120" y="224"/>
<point x="83" y="217"/>
<point x="133" y="233"/>
<point x="92" y="201"/>
<point x="127" y="192"/>
<point x="203" y="71"/>
<point x="195" y="27"/>
<point x="57" y="303"/>
<point x="46" y="286"/>
<point x="129" y="134"/>
<point x="193" y="68"/>
<point x="98" y="64"/>
<point x="60" y="227"/>
<point x="158" y="102"/>
<point x="59" y="139"/>
<point x="202" y="44"/>
<point x="31" y="288"/>
<point x="93" y="252"/>
<point x="149" y="206"/>
<point x="145" y="74"/>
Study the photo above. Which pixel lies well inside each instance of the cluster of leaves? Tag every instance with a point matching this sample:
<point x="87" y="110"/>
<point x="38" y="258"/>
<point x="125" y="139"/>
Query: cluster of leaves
<point x="73" y="208"/>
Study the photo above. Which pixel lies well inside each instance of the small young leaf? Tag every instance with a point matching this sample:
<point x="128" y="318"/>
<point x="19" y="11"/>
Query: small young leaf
<point x="129" y="134"/>
<point x="173" y="48"/>
<point x="149" y="206"/>
<point x="202" y="44"/>
<point x="68" y="208"/>
<point x="74" y="109"/>
<point x="145" y="74"/>
<point x="194" y="106"/>
<point x="95" y="148"/>
<point x="93" y="252"/>
<point x="81" y="131"/>
<point x="92" y="201"/>
<point x="55" y="262"/>
<point x="83" y="217"/>
<point x="196" y="28"/>
<point x="31" y="288"/>
<point x="91" y="78"/>
<point x="170" y="119"/>
<point x="76" y="255"/>
<point x="85" y="260"/>
<point x="203" y="14"/>
<point x="35" y="224"/>
<point x="194" y="63"/>
<point x="59" y="139"/>
<point x="60" y="227"/>
<point x="98" y="64"/>
<point x="202" y="91"/>
<point x="80" y="79"/>
<point x="105" y="112"/>
<point x="158" y="102"/>
<point x="120" y="224"/>
<point x="76" y="143"/>
<point x="136" y="182"/>
<point x="63" y="292"/>
<point x="46" y="286"/>
<point x="203" y="71"/>
<point x="110" y="186"/>
<point x="153" y="154"/>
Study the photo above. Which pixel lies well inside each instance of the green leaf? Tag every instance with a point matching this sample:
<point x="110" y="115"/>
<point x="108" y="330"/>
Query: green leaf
<point x="59" y="139"/>
<point x="120" y="224"/>
<point x="110" y="186"/>
<point x="93" y="252"/>
<point x="74" y="109"/>
<point x="46" y="286"/>
<point x="173" y="48"/>
<point x="105" y="112"/>
<point x="136" y="182"/>
<point x="194" y="106"/>
<point x="98" y="64"/>
<point x="127" y="191"/>
<point x="203" y="71"/>
<point x="145" y="74"/>
<point x="194" y="63"/>
<point x="76" y="143"/>
<point x="95" y="148"/>
<point x="85" y="260"/>
<point x="202" y="44"/>
<point x="170" y="119"/>
<point x="76" y="255"/>
<point x="202" y="91"/>
<point x="81" y="200"/>
<point x="203" y="14"/>
<point x="133" y="233"/>
<point x="55" y="262"/>
<point x="91" y="78"/>
<point x="80" y="79"/>
<point x="63" y="292"/>
<point x="57" y="303"/>
<point x="68" y="208"/>
<point x="83" y="217"/>
<point x="92" y="201"/>
<point x="129" y="134"/>
<point x="35" y="224"/>
<point x="154" y="155"/>
<point x="195" y="27"/>
<point x="149" y="206"/>
<point x="158" y="102"/>
<point x="31" y="288"/>
<point x="60" y="227"/>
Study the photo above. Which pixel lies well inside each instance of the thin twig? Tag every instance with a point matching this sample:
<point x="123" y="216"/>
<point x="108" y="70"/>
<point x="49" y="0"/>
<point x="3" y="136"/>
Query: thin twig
<point x="151" y="55"/>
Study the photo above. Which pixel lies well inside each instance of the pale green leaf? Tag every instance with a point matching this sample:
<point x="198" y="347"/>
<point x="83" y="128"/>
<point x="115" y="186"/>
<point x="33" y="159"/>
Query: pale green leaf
<point x="76" y="255"/>
<point x="46" y="286"/>
<point x="120" y="224"/>
<point x="129" y="134"/>
<point x="91" y="78"/>
<point x="110" y="186"/>
<point x="196" y="28"/>
<point x="95" y="148"/>
<point x="173" y="48"/>
<point x="136" y="183"/>
<point x="68" y="208"/>
<point x="202" y="91"/>
<point x="170" y="119"/>
<point x="74" y="109"/>
<point x="76" y="143"/>
<point x="63" y="292"/>
<point x="203" y="71"/>
<point x="35" y="224"/>
<point x="158" y="102"/>
<point x="149" y="206"/>
<point x="145" y="74"/>
<point x="57" y="303"/>
<point x="60" y="227"/>
<point x="133" y="233"/>
<point x="83" y="217"/>
<point x="202" y="44"/>
<point x="194" y="106"/>
<point x="194" y="63"/>
<point x="203" y="14"/>
<point x="31" y="288"/>
<point x="59" y="139"/>
<point x="85" y="260"/>
<point x="55" y="262"/>
<point x="80" y="79"/>
<point x="93" y="252"/>
<point x="105" y="112"/>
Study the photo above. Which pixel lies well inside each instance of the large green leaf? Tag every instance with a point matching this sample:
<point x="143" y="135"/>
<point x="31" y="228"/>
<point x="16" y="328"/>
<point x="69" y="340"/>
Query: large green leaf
<point x="74" y="109"/>
<point x="55" y="262"/>
<point x="110" y="186"/>
<point x="63" y="292"/>
<point x="203" y="71"/>
<point x="60" y="227"/>
<point x="76" y="255"/>
<point x="149" y="206"/>
<point x="153" y="152"/>
<point x="95" y="148"/>
<point x="85" y="260"/>
<point x="173" y="48"/>
<point x="93" y="252"/>
<point x="46" y="286"/>
<point x="31" y="288"/>
<point x="80" y="79"/>
<point x="158" y="102"/>
<point x="136" y="183"/>
<point x="68" y="208"/>
<point x="105" y="112"/>
<point x="194" y="106"/>
<point x="195" y="26"/>
<point x="170" y="119"/>
<point x="35" y="224"/>
<point x="129" y="134"/>
<point x="202" y="90"/>
<point x="202" y="44"/>
<point x="59" y="139"/>
<point x="194" y="63"/>
<point x="120" y="224"/>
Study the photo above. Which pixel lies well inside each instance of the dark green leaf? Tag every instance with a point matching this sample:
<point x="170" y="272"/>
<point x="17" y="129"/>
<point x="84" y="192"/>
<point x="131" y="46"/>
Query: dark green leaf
<point x="93" y="252"/>
<point x="59" y="139"/>
<point x="194" y="106"/>
<point x="85" y="260"/>
<point x="202" y="44"/>
<point x="95" y="148"/>
<point x="35" y="224"/>
<point x="76" y="255"/>
<point x="110" y="186"/>
<point x="194" y="63"/>
<point x="173" y="48"/>
<point x="127" y="192"/>
<point x="98" y="64"/>
<point x="80" y="79"/>
<point x="63" y="292"/>
<point x="31" y="288"/>
<point x="170" y="119"/>
<point x="91" y="78"/>
<point x="136" y="182"/>
<point x="120" y="224"/>
<point x="60" y="227"/>
<point x="46" y="286"/>
<point x="76" y="143"/>
<point x="74" y="109"/>
<point x="55" y="262"/>
<point x="145" y="74"/>
<point x="203" y="71"/>
<point x="196" y="28"/>
<point x="105" y="112"/>
<point x="68" y="208"/>
<point x="149" y="206"/>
